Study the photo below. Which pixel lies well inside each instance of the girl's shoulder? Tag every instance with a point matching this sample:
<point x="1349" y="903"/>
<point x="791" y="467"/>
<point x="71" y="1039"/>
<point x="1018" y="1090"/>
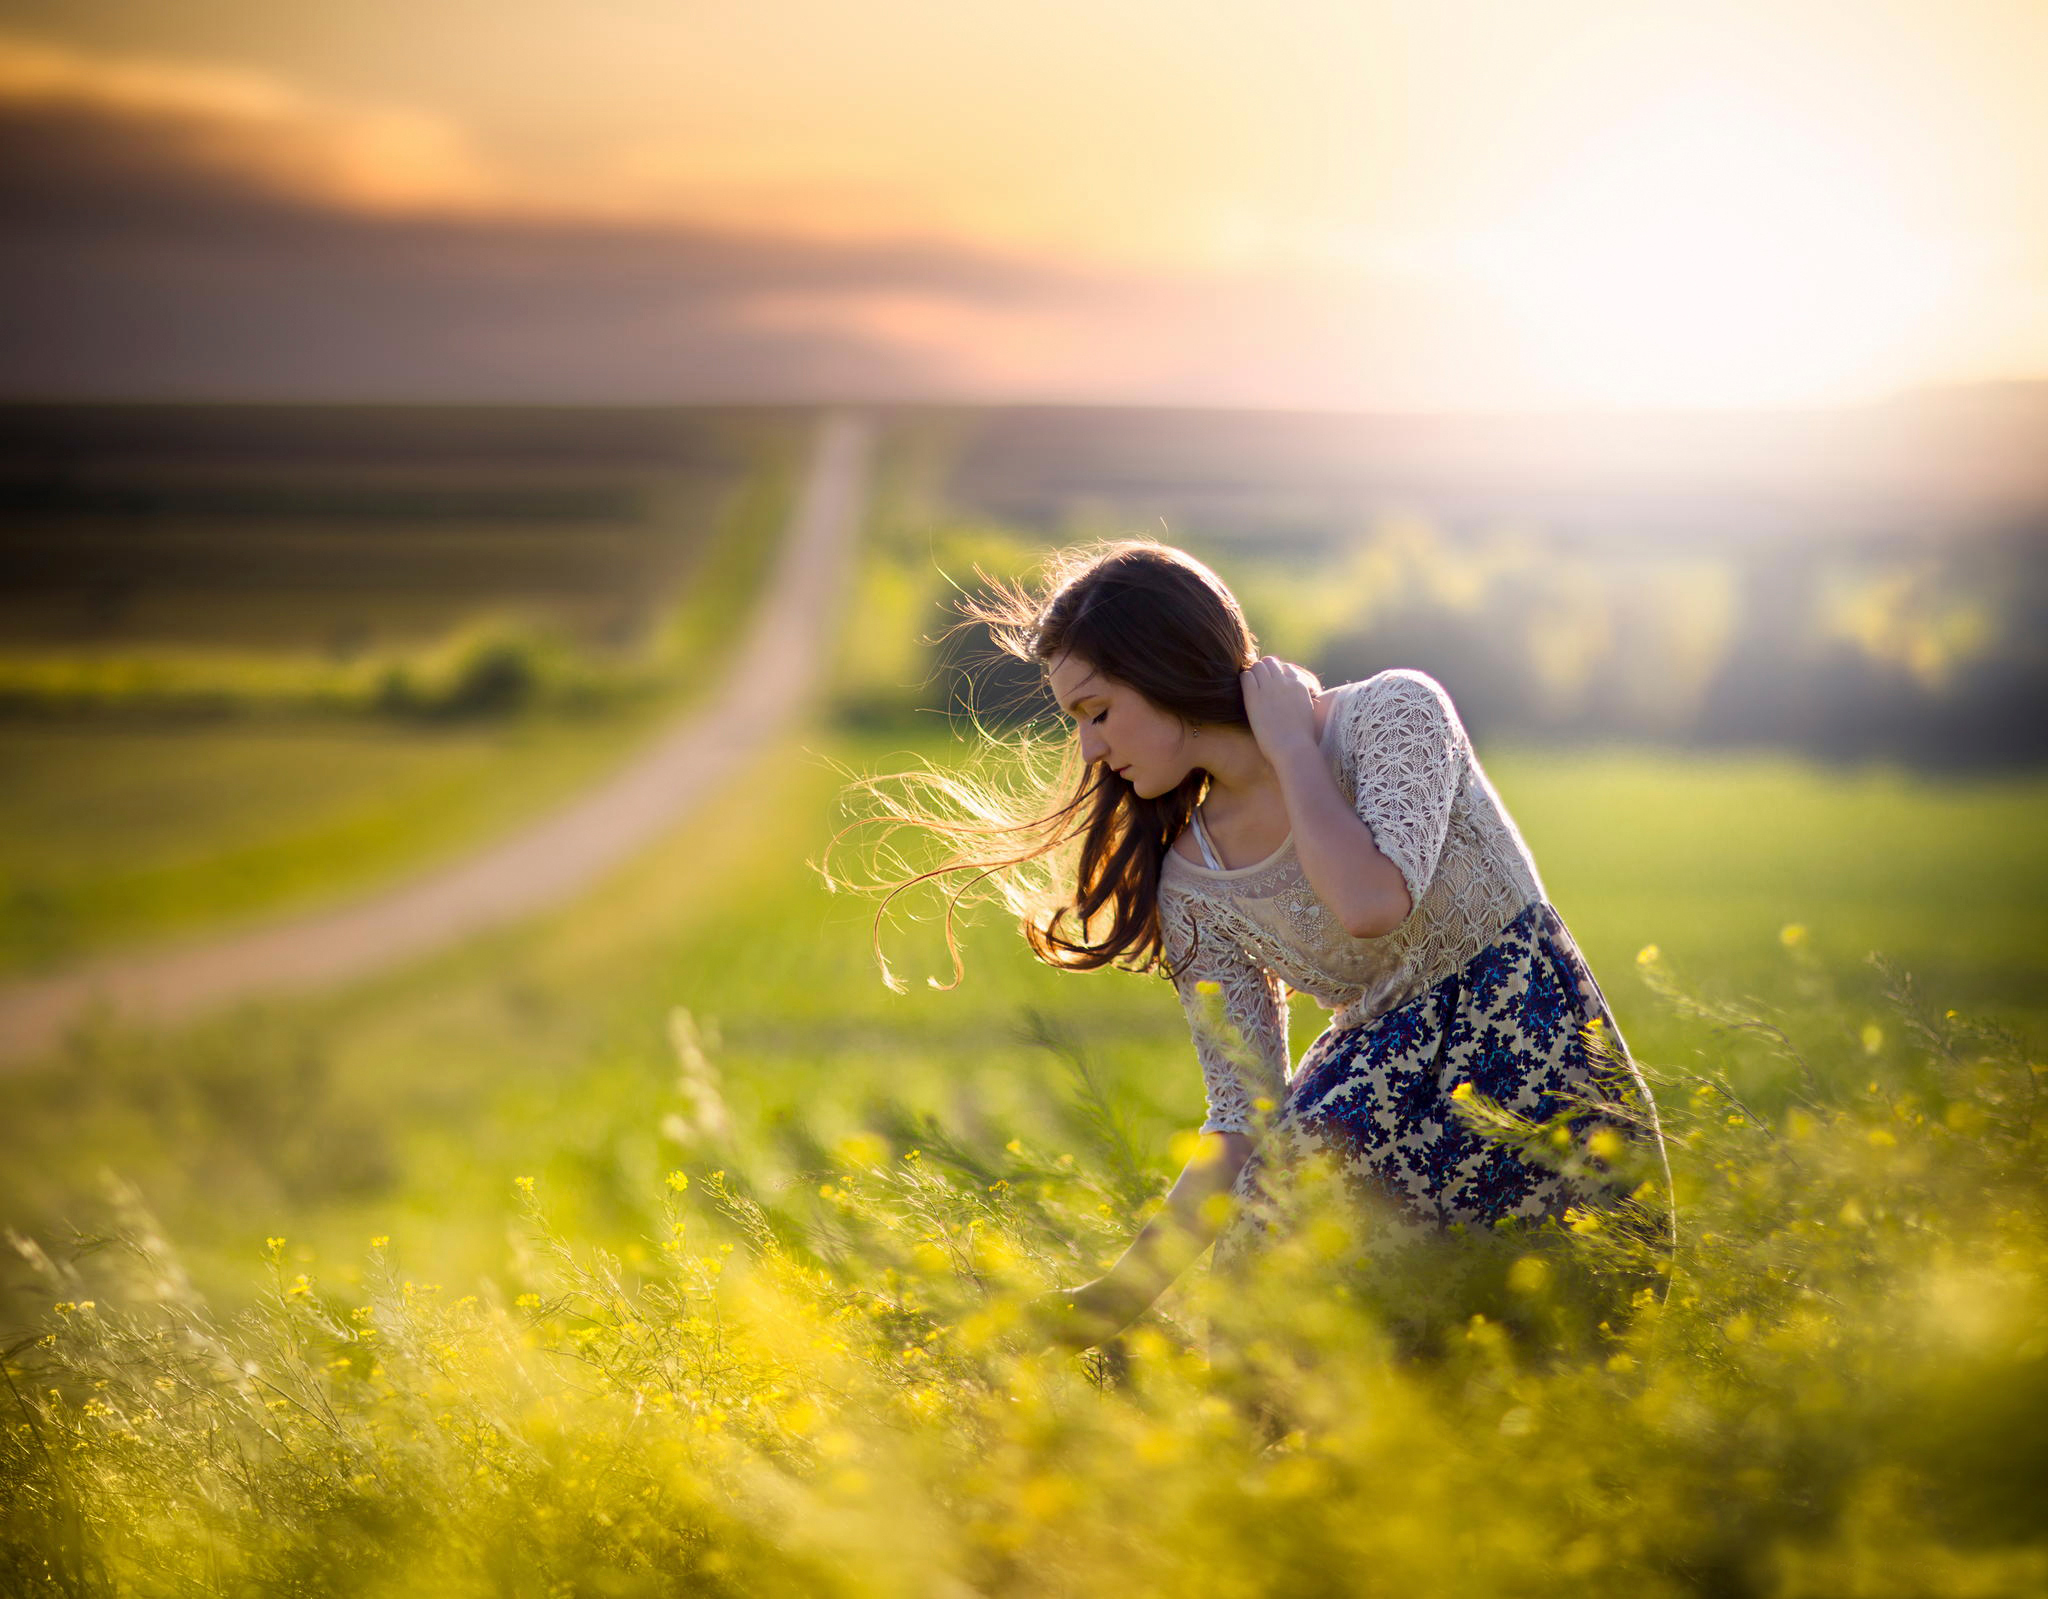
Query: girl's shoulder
<point x="1399" y="691"/>
<point x="1395" y="682"/>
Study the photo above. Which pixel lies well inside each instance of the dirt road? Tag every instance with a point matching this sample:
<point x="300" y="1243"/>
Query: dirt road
<point x="773" y="674"/>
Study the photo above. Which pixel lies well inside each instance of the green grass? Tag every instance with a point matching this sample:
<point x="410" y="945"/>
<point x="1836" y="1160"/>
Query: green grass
<point x="117" y="838"/>
<point x="1710" y="858"/>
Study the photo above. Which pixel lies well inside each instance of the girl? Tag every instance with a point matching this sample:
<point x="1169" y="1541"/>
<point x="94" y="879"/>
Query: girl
<point x="1261" y="834"/>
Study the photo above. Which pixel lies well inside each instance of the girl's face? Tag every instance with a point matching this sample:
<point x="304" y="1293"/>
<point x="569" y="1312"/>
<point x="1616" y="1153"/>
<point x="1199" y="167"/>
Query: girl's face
<point x="1120" y="728"/>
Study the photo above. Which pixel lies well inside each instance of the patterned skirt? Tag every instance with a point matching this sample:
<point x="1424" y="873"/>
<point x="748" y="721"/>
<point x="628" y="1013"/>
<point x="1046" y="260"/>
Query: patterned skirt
<point x="1378" y="1096"/>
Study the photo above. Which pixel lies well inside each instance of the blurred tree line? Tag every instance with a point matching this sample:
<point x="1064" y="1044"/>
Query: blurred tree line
<point x="1927" y="652"/>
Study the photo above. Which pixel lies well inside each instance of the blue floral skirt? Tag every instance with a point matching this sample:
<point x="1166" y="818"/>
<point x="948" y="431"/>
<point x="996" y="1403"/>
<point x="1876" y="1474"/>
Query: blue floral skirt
<point x="1512" y="1022"/>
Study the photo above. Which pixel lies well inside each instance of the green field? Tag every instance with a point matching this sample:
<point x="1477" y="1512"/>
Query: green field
<point x="362" y="1152"/>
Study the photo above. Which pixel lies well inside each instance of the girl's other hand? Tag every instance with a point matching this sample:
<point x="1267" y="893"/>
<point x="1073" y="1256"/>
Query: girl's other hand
<point x="1070" y="1318"/>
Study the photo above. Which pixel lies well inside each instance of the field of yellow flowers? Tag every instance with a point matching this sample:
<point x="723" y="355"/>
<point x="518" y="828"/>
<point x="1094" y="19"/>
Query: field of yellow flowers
<point x="761" y="1334"/>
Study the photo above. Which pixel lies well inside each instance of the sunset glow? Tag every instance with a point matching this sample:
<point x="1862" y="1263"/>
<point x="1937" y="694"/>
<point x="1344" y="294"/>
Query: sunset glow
<point x="1468" y="207"/>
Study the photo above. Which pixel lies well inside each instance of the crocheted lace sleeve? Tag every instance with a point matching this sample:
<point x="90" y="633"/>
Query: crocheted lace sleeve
<point x="1406" y="748"/>
<point x="1253" y="1005"/>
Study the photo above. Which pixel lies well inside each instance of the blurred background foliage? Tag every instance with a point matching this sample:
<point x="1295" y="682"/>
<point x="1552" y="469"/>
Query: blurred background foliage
<point x="435" y="563"/>
<point x="1564" y="602"/>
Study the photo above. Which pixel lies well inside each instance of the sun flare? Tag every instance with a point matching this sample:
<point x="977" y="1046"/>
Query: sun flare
<point x="1718" y="252"/>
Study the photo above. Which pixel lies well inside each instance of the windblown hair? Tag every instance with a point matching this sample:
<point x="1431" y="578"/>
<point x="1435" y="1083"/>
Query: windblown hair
<point x="1075" y="852"/>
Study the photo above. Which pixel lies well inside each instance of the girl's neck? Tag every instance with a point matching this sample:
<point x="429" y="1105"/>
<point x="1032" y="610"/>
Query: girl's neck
<point x="1240" y="776"/>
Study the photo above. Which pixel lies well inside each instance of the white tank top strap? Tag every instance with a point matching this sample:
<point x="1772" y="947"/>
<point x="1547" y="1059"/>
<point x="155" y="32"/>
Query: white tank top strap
<point x="1202" y="838"/>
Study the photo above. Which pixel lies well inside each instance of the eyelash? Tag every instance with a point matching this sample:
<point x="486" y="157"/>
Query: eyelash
<point x="1098" y="718"/>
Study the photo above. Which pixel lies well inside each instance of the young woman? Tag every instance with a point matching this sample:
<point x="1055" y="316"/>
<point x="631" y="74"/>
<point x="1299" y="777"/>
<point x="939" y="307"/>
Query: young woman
<point x="1260" y="833"/>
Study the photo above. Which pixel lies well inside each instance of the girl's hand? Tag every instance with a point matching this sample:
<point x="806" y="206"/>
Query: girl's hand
<point x="1071" y="1318"/>
<point x="1279" y="702"/>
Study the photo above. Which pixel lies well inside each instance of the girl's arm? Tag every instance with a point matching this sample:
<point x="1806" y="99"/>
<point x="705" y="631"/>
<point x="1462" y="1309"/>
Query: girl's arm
<point x="1165" y="1246"/>
<point x="1338" y="854"/>
<point x="1336" y="849"/>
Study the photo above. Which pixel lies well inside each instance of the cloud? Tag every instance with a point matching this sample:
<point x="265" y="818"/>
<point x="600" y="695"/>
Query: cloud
<point x="177" y="232"/>
<point x="184" y="232"/>
<point x="70" y="115"/>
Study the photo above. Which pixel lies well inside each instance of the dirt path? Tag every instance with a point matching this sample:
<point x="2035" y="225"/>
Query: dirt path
<point x="774" y="672"/>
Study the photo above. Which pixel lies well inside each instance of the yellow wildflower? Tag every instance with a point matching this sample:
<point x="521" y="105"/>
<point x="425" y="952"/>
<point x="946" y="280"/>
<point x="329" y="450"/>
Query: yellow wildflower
<point x="523" y="1184"/>
<point x="679" y="1180"/>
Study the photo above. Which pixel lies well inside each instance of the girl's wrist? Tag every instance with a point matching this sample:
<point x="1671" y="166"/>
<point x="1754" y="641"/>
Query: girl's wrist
<point x="1114" y="1303"/>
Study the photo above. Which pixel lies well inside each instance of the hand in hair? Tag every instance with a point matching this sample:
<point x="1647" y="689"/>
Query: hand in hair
<point x="1279" y="702"/>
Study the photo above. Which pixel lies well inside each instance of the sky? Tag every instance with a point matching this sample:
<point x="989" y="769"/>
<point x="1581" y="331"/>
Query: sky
<point x="1439" y="205"/>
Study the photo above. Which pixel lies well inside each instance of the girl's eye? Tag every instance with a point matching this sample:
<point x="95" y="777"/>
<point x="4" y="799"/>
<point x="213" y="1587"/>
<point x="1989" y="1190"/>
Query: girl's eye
<point x="1098" y="718"/>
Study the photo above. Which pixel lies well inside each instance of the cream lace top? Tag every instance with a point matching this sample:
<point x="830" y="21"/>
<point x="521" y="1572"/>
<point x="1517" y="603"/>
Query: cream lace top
<point x="1402" y="759"/>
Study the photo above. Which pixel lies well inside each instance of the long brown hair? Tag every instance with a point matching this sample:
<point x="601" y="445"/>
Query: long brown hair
<point x="1076" y="852"/>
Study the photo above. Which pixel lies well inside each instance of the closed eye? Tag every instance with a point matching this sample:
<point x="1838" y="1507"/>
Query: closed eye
<point x="1098" y="718"/>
